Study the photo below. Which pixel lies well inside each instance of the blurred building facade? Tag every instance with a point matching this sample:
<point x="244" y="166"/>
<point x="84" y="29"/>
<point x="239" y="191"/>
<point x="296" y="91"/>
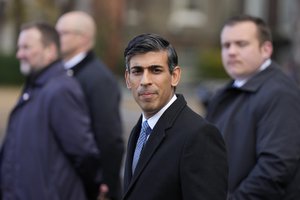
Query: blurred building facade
<point x="191" y="25"/>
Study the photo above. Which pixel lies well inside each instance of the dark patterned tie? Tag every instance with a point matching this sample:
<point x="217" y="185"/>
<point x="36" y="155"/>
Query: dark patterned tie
<point x="145" y="131"/>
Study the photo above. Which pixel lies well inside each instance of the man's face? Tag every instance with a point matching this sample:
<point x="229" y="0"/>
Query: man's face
<point x="70" y="39"/>
<point x="242" y="53"/>
<point x="150" y="81"/>
<point x="31" y="53"/>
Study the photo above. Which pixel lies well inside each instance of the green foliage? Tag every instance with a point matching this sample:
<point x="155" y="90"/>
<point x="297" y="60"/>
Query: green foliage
<point x="9" y="71"/>
<point x="210" y="65"/>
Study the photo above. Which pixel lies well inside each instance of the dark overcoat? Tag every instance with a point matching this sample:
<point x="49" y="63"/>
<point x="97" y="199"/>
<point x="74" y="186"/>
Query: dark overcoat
<point x="103" y="97"/>
<point x="183" y="159"/>
<point x="49" y="149"/>
<point x="260" y="123"/>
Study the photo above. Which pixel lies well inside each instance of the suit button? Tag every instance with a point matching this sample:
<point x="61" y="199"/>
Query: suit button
<point x="70" y="72"/>
<point x="25" y="96"/>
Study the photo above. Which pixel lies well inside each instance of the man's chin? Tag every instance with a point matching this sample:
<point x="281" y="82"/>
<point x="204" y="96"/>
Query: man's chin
<point x="25" y="69"/>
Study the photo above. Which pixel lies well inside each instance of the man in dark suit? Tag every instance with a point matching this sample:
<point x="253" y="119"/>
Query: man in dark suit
<point x="183" y="157"/>
<point x="258" y="114"/>
<point x="77" y="31"/>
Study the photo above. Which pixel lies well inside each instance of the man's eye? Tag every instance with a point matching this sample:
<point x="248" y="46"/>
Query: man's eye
<point x="156" y="70"/>
<point x="136" y="71"/>
<point x="242" y="44"/>
<point x="225" y="45"/>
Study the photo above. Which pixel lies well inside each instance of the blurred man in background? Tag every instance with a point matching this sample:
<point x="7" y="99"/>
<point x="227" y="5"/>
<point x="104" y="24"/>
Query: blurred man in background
<point x="49" y="151"/>
<point x="78" y="31"/>
<point x="258" y="113"/>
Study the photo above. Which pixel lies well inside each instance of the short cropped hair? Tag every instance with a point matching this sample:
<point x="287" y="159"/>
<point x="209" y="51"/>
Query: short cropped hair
<point x="48" y="32"/>
<point x="149" y="42"/>
<point x="263" y="31"/>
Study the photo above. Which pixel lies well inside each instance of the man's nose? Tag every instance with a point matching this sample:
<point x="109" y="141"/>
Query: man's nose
<point x="146" y="78"/>
<point x="19" y="54"/>
<point x="232" y="49"/>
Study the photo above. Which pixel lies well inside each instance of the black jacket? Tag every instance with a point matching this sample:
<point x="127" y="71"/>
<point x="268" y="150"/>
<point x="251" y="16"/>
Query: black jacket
<point x="183" y="159"/>
<point x="103" y="98"/>
<point x="260" y="123"/>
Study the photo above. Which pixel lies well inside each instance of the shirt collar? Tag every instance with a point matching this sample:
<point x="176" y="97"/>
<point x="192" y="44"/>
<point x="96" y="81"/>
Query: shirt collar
<point x="75" y="60"/>
<point x="153" y="120"/>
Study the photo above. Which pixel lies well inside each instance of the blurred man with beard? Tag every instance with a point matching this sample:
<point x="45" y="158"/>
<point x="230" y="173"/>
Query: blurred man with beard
<point x="49" y="152"/>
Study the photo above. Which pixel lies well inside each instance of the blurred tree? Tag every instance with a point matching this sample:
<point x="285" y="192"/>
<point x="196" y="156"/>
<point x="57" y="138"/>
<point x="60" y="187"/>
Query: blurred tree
<point x="66" y="6"/>
<point x="109" y="18"/>
<point x="18" y="14"/>
<point x="2" y="16"/>
<point x="20" y="11"/>
<point x="2" y="6"/>
<point x="49" y="10"/>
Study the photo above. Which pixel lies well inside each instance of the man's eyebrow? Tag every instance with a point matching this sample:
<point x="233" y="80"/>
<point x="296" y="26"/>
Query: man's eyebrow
<point x="154" y="66"/>
<point x="150" y="66"/>
<point x="136" y="67"/>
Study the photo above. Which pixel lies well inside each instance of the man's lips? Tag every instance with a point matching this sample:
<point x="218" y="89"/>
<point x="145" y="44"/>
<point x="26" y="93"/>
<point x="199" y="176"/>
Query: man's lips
<point x="233" y="62"/>
<point x="146" y="94"/>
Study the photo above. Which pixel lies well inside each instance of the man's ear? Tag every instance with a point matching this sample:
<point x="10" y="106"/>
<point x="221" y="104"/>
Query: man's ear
<point x="128" y="84"/>
<point x="176" y="74"/>
<point x="267" y="49"/>
<point x="51" y="52"/>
